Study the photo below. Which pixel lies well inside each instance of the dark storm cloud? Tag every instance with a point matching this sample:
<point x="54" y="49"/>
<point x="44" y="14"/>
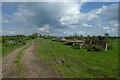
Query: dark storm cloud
<point x="63" y="18"/>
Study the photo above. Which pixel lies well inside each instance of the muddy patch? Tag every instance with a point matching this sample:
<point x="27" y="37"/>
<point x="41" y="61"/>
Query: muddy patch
<point x="60" y="60"/>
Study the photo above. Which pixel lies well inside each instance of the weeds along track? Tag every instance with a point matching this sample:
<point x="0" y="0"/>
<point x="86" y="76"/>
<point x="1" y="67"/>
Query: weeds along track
<point x="18" y="60"/>
<point x="25" y="64"/>
<point x="8" y="66"/>
<point x="36" y="67"/>
<point x="9" y="69"/>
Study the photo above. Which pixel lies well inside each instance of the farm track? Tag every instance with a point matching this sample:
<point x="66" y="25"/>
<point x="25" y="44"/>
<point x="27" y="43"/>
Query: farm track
<point x="36" y="68"/>
<point x="8" y="66"/>
<point x="33" y="66"/>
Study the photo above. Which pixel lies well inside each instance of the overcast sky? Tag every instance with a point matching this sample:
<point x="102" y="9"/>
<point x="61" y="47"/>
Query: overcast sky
<point x="60" y="18"/>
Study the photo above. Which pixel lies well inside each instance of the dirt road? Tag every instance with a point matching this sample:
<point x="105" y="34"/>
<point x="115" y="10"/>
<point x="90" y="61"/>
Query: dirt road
<point x="8" y="66"/>
<point x="36" y="68"/>
<point x="33" y="66"/>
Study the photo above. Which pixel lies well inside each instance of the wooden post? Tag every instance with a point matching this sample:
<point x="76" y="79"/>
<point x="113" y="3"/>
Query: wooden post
<point x="106" y="47"/>
<point x="81" y="45"/>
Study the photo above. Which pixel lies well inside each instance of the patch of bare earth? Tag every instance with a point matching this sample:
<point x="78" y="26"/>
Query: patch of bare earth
<point x="8" y="66"/>
<point x="36" y="68"/>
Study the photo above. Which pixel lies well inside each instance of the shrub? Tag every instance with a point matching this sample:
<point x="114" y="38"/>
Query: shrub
<point x="76" y="47"/>
<point x="98" y="48"/>
<point x="90" y="47"/>
<point x="110" y="47"/>
<point x="85" y="46"/>
<point x="94" y="48"/>
<point x="5" y="45"/>
<point x="23" y="43"/>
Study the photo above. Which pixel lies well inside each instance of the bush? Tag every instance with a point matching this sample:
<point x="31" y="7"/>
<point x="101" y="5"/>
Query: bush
<point x="76" y="47"/>
<point x="23" y="43"/>
<point x="34" y="35"/>
<point x="91" y="47"/>
<point x="5" y="45"/>
<point x="110" y="47"/>
<point x="98" y="48"/>
<point x="84" y="46"/>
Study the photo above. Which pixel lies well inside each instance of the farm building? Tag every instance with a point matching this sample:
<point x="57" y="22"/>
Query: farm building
<point x="60" y="39"/>
<point x="70" y="42"/>
<point x="73" y="42"/>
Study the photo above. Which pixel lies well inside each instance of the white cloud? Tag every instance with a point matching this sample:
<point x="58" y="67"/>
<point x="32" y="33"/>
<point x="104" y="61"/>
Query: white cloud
<point x="112" y="30"/>
<point x="81" y="32"/>
<point x="86" y="25"/>
<point x="116" y="25"/>
<point x="99" y="11"/>
<point x="8" y="32"/>
<point x="57" y="18"/>
<point x="69" y="19"/>
<point x="106" y="28"/>
<point x="60" y="0"/>
<point x="44" y="29"/>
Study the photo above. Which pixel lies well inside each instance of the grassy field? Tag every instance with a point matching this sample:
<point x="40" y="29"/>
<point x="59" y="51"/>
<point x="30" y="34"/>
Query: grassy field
<point x="78" y="62"/>
<point x="16" y="42"/>
<point x="0" y="46"/>
<point x="18" y="60"/>
<point x="9" y="48"/>
<point x="0" y="50"/>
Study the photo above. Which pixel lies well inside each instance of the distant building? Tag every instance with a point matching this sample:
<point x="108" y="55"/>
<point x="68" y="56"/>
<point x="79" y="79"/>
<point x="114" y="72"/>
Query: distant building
<point x="61" y="39"/>
<point x="72" y="42"/>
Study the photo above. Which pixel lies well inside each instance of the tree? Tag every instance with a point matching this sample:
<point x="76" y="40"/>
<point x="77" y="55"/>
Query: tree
<point x="81" y="37"/>
<point x="34" y="35"/>
<point x="100" y="37"/>
<point x="106" y="35"/>
<point x="106" y="40"/>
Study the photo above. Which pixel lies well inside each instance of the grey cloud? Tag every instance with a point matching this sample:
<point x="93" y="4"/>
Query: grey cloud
<point x="62" y="18"/>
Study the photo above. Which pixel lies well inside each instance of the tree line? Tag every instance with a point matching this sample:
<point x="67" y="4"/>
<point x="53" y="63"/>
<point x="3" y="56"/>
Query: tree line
<point x="92" y="43"/>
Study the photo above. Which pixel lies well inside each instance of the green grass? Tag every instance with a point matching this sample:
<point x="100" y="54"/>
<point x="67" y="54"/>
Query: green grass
<point x="16" y="42"/>
<point x="0" y="39"/>
<point x="0" y="50"/>
<point x="18" y="60"/>
<point x="0" y="46"/>
<point x="7" y="49"/>
<point x="79" y="62"/>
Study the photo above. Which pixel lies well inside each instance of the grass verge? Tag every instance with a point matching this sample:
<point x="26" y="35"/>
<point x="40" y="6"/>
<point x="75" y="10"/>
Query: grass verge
<point x="9" y="48"/>
<point x="18" y="60"/>
<point x="79" y="63"/>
